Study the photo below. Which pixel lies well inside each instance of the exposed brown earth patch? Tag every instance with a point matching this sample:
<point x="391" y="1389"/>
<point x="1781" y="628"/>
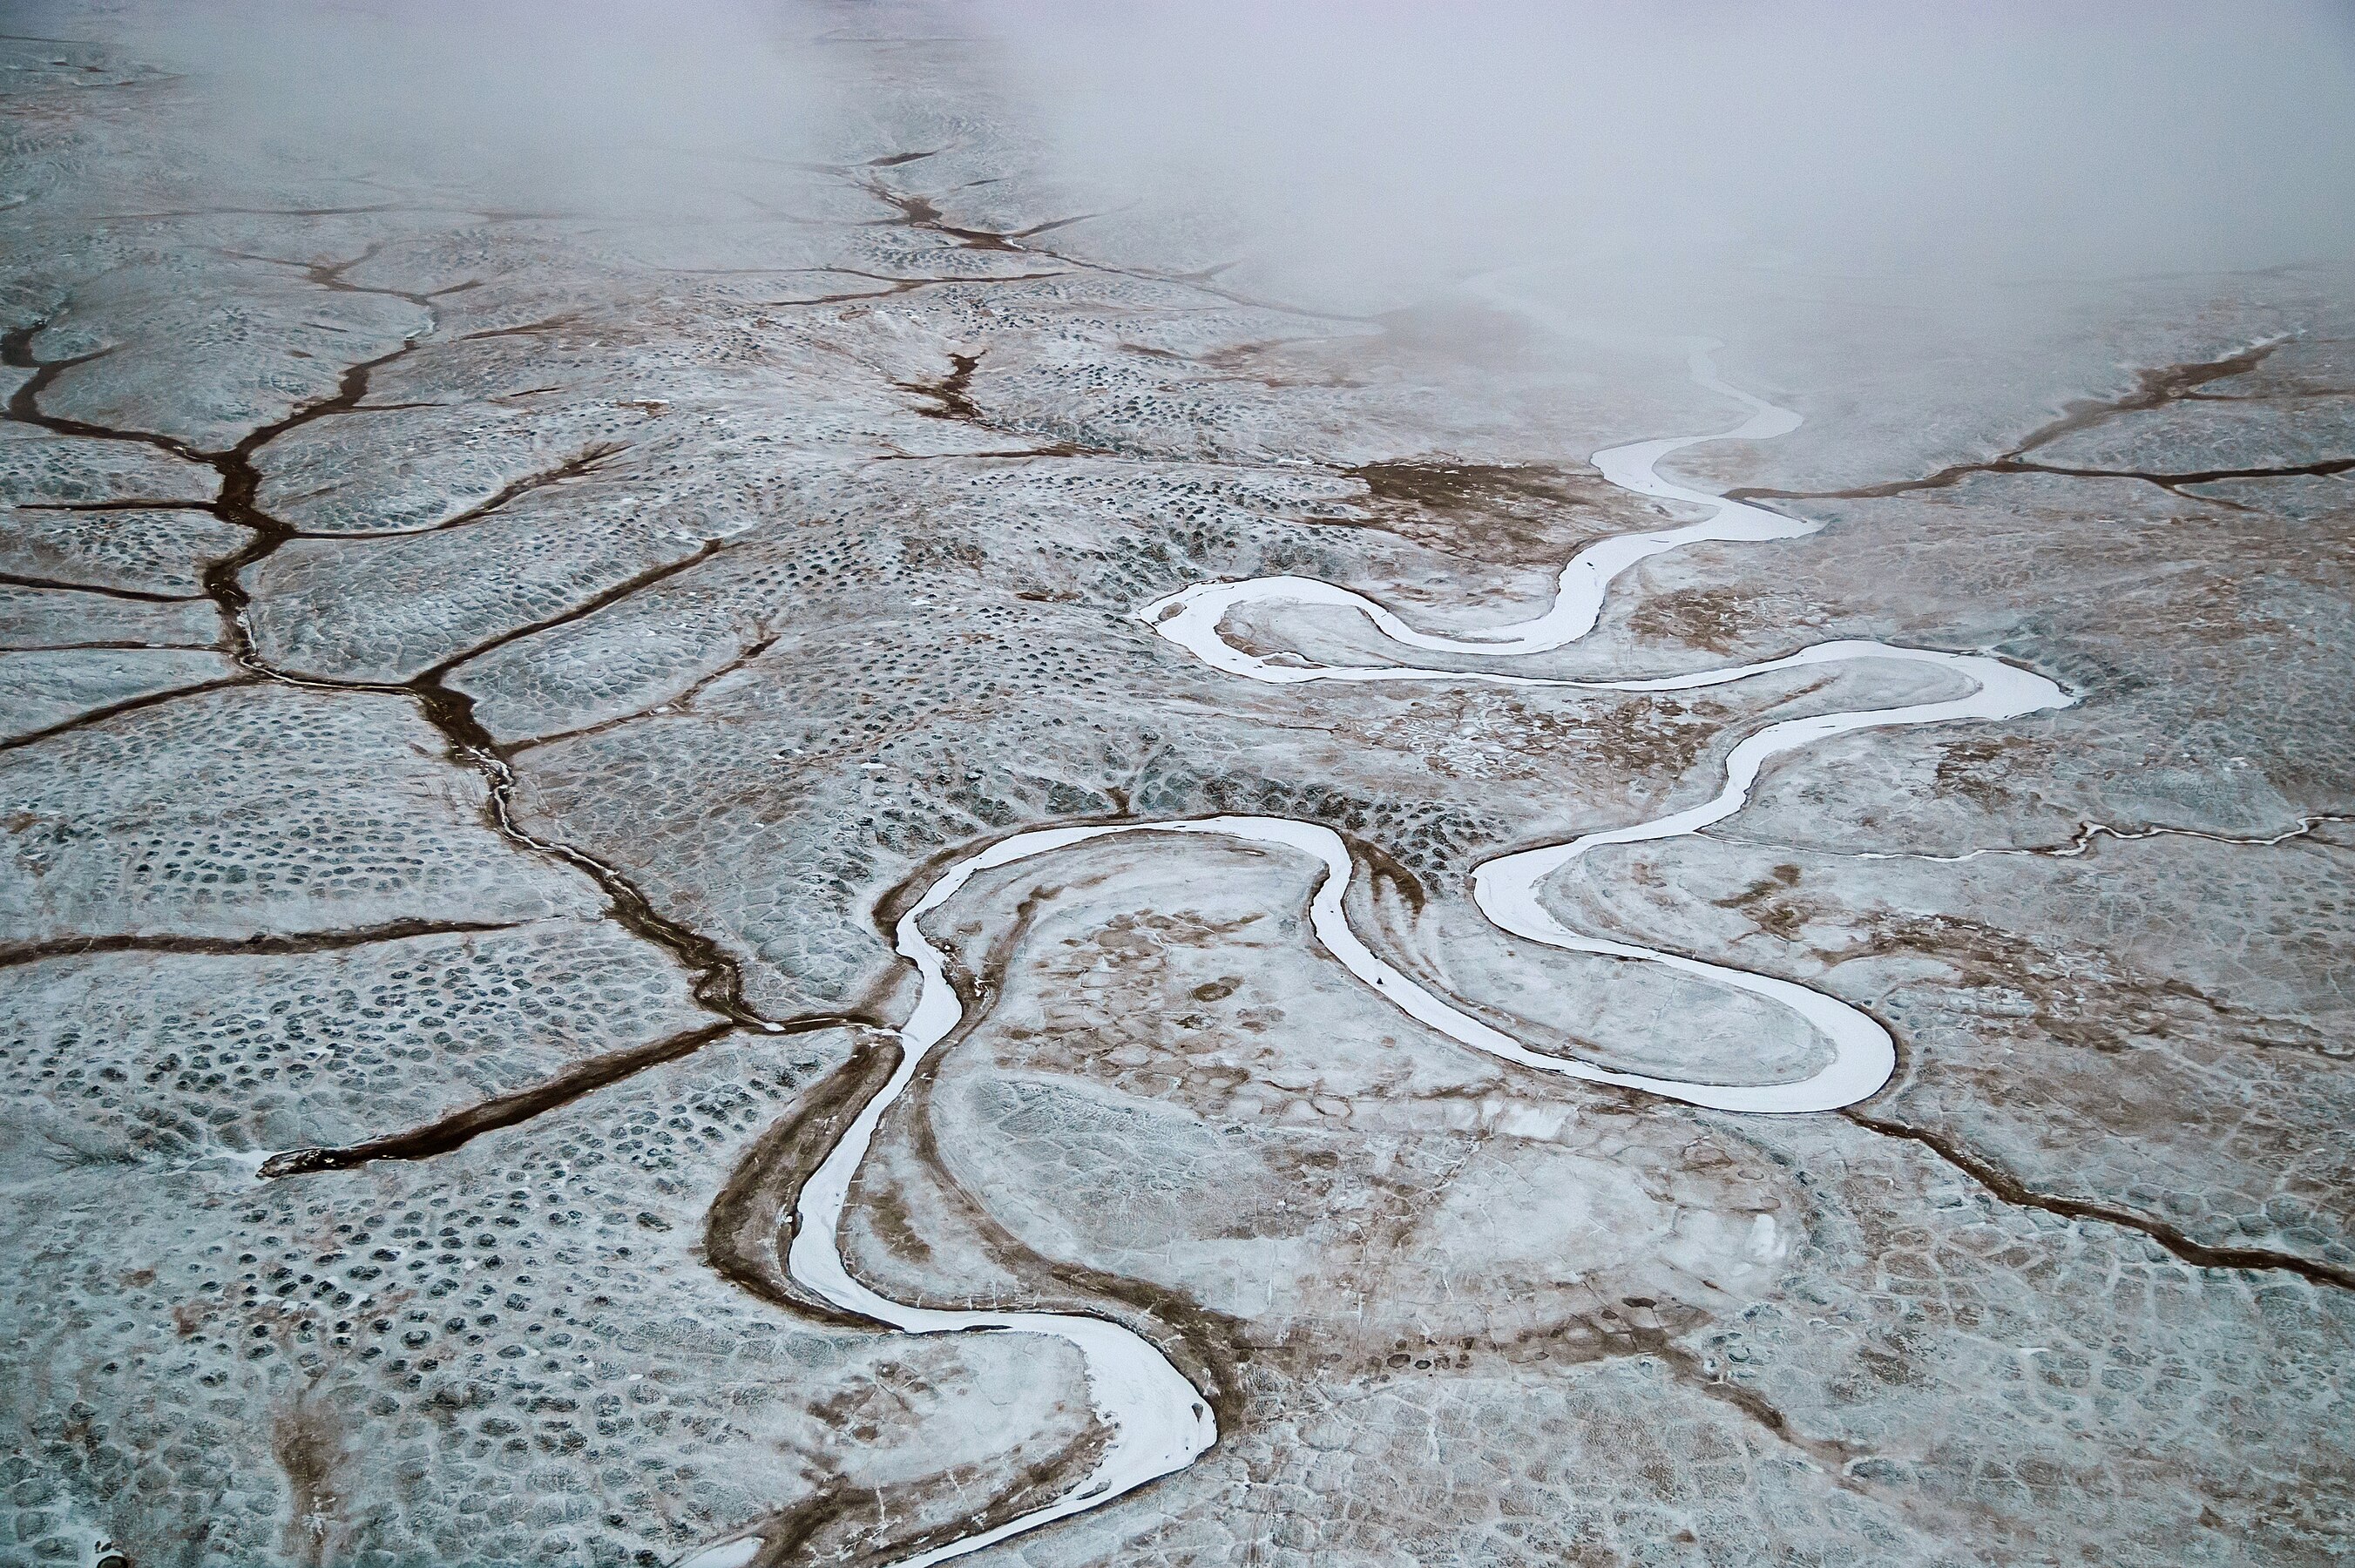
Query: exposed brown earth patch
<point x="1499" y="514"/>
<point x="750" y="1224"/>
<point x="308" y="1443"/>
<point x="861" y="1524"/>
<point x="1710" y="618"/>
<point x="1656" y="738"/>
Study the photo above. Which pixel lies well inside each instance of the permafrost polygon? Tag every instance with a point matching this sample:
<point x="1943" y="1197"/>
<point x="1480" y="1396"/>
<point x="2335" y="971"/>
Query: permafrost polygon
<point x="1159" y="1422"/>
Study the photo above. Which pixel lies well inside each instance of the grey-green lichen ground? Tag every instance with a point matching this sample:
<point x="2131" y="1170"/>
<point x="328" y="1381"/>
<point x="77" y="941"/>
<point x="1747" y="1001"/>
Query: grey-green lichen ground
<point x="481" y="671"/>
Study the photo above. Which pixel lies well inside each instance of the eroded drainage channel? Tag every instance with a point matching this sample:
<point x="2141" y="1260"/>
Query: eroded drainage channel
<point x="1159" y="1422"/>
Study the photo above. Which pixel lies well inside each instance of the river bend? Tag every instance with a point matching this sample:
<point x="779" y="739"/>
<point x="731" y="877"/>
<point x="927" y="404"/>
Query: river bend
<point x="1159" y="1422"/>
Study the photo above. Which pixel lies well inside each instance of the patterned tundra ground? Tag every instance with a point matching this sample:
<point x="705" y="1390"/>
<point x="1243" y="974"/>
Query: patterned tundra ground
<point x="481" y="681"/>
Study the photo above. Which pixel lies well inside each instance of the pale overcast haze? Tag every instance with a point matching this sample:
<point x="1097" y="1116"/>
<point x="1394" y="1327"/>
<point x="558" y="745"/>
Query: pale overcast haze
<point x="1066" y="784"/>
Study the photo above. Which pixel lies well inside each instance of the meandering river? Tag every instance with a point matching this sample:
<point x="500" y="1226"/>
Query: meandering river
<point x="1159" y="1422"/>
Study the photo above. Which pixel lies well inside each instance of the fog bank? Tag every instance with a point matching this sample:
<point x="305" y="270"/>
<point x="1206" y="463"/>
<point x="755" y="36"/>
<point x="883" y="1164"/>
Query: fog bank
<point x="1360" y="152"/>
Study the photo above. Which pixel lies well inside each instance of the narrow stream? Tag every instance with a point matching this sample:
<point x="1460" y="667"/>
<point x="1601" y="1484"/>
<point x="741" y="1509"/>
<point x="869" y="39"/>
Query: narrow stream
<point x="1160" y="1422"/>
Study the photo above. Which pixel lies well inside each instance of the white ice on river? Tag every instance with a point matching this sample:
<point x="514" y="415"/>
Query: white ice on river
<point x="1159" y="1422"/>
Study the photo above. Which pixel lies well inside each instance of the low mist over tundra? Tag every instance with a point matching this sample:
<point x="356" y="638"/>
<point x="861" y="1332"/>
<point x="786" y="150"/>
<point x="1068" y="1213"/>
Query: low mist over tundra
<point x="1389" y="148"/>
<point x="1060" y="785"/>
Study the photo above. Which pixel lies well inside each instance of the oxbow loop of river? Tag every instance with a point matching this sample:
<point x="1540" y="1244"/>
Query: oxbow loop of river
<point x="1160" y="1422"/>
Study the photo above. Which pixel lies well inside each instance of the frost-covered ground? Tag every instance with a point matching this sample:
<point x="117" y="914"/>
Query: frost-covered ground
<point x="481" y="681"/>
